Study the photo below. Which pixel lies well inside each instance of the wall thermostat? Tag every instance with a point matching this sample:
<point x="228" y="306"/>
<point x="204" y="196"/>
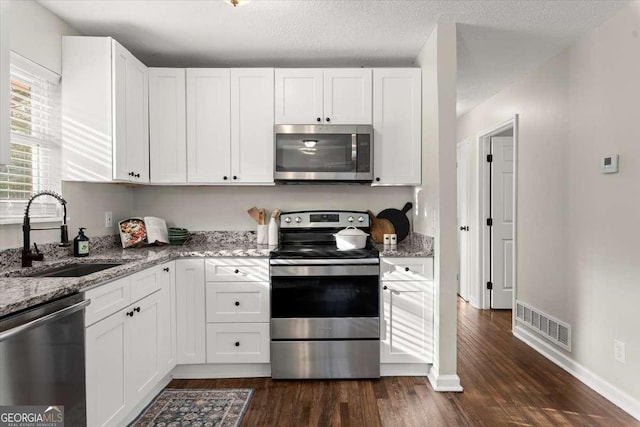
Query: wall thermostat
<point x="609" y="164"/>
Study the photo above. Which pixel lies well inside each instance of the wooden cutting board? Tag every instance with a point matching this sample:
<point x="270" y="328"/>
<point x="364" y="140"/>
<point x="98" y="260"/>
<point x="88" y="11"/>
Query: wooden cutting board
<point x="380" y="227"/>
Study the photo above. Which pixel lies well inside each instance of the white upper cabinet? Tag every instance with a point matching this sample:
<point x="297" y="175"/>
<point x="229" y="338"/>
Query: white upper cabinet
<point x="299" y="96"/>
<point x="208" y="125"/>
<point x="252" y="125"/>
<point x="397" y="126"/>
<point x="230" y="125"/>
<point x="347" y="96"/>
<point x="323" y="96"/>
<point x="167" y="125"/>
<point x="105" y="121"/>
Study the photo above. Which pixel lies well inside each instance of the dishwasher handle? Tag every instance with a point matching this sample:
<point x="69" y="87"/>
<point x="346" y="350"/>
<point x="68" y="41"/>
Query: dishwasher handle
<point x="5" y="335"/>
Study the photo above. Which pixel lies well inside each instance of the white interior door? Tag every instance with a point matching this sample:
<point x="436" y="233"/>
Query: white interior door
<point x="502" y="228"/>
<point x="464" y="219"/>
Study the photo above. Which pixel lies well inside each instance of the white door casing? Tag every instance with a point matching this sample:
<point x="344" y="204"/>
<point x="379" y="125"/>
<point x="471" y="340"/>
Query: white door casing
<point x="502" y="213"/>
<point x="465" y="190"/>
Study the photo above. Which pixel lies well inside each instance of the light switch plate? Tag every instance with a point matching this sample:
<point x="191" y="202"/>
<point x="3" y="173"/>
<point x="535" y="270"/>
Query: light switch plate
<point x="609" y="164"/>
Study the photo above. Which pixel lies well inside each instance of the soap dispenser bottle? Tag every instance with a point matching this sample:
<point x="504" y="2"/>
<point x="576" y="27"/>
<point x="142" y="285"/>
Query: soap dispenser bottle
<point x="81" y="244"/>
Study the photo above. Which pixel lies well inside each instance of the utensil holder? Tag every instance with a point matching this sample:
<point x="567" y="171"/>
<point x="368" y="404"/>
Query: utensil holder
<point x="262" y="234"/>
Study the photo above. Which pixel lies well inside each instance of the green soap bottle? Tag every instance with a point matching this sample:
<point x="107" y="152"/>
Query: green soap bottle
<point x="81" y="244"/>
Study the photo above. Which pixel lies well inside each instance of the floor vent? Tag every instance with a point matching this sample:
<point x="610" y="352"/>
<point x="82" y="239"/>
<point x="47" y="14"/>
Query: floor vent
<point x="549" y="327"/>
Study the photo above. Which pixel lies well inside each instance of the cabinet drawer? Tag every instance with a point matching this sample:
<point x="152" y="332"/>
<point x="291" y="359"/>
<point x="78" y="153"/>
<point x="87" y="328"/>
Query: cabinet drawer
<point x="238" y="302"/>
<point x="406" y="268"/>
<point x="238" y="343"/>
<point x="237" y="270"/>
<point x="106" y="300"/>
<point x="145" y="283"/>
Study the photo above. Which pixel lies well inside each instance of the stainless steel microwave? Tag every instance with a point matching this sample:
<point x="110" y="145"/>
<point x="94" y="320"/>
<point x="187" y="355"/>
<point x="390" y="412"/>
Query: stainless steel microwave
<point x="323" y="153"/>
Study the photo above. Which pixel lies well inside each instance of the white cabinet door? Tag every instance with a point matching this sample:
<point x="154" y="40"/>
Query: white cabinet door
<point x="145" y="283"/>
<point x="131" y="120"/>
<point x="190" y="311"/>
<point x="167" y="318"/>
<point x="252" y="125"/>
<point x="143" y="348"/>
<point x="397" y="126"/>
<point x="407" y="330"/>
<point x="167" y="125"/>
<point x="347" y="96"/>
<point x="208" y="125"/>
<point x="105" y="370"/>
<point x="298" y="96"/>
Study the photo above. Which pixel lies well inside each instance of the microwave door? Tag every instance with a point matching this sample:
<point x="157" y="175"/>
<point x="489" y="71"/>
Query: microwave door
<point x="315" y="157"/>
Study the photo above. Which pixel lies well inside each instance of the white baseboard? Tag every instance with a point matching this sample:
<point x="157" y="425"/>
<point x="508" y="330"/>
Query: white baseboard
<point x="444" y="383"/>
<point x="249" y="370"/>
<point x="404" y="369"/>
<point x="600" y="386"/>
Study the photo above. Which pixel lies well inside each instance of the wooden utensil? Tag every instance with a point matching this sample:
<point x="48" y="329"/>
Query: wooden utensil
<point x="255" y="214"/>
<point x="380" y="227"/>
<point x="276" y="213"/>
<point x="263" y="217"/>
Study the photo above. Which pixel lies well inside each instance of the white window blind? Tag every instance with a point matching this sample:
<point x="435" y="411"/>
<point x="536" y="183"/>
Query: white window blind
<point x="35" y="141"/>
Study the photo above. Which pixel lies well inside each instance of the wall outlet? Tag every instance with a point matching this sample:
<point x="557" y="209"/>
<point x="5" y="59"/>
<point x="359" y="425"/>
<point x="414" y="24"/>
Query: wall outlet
<point x="108" y="219"/>
<point x="619" y="351"/>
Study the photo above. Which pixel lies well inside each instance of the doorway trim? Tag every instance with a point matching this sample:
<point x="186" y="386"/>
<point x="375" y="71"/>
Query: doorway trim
<point x="483" y="266"/>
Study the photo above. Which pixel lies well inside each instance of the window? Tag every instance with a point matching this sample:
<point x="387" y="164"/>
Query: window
<point x="35" y="141"/>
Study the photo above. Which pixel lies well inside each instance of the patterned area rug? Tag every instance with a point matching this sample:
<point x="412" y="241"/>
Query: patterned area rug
<point x="196" y="408"/>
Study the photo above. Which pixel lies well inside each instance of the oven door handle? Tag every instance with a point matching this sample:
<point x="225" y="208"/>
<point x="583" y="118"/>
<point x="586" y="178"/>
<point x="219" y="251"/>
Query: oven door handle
<point x="324" y="270"/>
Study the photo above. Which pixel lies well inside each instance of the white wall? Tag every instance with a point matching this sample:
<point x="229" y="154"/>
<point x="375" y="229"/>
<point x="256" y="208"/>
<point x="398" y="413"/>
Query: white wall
<point x="225" y="208"/>
<point x="36" y="34"/>
<point x="577" y="231"/>
<point x="435" y="201"/>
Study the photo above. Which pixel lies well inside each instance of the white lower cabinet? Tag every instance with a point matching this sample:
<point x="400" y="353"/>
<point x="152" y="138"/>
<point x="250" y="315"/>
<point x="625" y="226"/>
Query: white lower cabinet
<point x="407" y="310"/>
<point x="238" y="343"/>
<point x="105" y="344"/>
<point x="238" y="328"/>
<point x="190" y="311"/>
<point x="125" y="345"/>
<point x="168" y="330"/>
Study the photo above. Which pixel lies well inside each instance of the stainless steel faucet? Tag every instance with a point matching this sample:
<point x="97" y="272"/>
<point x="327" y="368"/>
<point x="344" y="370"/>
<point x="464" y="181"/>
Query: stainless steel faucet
<point x="27" y="255"/>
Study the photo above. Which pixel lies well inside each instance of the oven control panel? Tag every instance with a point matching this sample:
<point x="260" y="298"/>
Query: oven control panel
<point x="324" y="219"/>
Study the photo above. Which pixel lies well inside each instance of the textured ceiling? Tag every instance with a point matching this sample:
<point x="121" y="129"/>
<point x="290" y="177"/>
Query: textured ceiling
<point x="498" y="41"/>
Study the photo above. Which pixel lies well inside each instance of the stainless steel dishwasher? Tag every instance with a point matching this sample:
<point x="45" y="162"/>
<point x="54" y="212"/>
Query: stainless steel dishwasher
<point x="42" y="357"/>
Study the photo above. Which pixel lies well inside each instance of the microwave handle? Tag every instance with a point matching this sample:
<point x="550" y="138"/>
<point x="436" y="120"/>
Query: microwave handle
<point x="354" y="151"/>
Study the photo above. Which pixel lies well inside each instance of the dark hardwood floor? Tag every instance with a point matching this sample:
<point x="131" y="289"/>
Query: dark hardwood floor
<point x="505" y="383"/>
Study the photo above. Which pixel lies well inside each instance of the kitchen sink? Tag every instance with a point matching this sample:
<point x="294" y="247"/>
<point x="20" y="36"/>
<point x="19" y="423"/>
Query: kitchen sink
<point x="75" y="269"/>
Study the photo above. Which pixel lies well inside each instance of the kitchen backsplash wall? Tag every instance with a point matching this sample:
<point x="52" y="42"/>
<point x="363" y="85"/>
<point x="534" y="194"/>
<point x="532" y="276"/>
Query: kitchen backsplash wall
<point x="86" y="205"/>
<point x="225" y="208"/>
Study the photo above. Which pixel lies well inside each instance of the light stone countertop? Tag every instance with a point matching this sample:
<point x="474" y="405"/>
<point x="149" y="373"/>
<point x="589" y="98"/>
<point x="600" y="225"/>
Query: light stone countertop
<point x="18" y="292"/>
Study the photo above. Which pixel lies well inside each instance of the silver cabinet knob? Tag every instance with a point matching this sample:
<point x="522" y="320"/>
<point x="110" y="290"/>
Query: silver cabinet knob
<point x="287" y="220"/>
<point x="350" y="219"/>
<point x="360" y="219"/>
<point x="298" y="220"/>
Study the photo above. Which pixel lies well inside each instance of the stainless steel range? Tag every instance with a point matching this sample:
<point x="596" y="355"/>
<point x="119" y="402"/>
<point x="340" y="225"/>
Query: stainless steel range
<point x="324" y="302"/>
